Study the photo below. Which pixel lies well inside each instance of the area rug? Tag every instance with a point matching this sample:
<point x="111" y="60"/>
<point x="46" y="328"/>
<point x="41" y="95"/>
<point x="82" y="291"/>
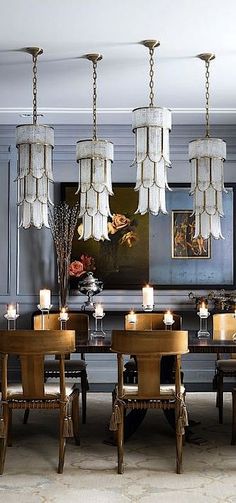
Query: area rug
<point x="90" y="469"/>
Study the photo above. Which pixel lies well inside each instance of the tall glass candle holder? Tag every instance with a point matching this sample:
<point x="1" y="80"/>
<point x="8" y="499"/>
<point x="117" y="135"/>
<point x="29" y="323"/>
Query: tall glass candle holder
<point x="203" y="332"/>
<point x="11" y="317"/>
<point x="44" y="312"/>
<point x="98" y="330"/>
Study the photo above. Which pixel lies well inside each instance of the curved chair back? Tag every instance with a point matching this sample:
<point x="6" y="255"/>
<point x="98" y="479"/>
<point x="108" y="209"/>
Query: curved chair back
<point x="32" y="346"/>
<point x="224" y="326"/>
<point x="76" y="321"/>
<point x="151" y="321"/>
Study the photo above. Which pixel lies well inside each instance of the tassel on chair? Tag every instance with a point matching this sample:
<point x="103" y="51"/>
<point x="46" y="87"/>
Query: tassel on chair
<point x="115" y="418"/>
<point x="68" y="427"/>
<point x="183" y="417"/>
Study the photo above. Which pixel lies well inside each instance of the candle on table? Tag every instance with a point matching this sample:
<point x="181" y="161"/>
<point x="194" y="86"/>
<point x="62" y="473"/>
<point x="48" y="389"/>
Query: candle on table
<point x="148" y="296"/>
<point x="132" y="317"/>
<point x="11" y="311"/>
<point x="98" y="311"/>
<point x="63" y="314"/>
<point x="45" y="298"/>
<point x="168" y="318"/>
<point x="203" y="311"/>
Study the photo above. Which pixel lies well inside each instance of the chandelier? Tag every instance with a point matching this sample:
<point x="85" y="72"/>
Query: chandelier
<point x="151" y="126"/>
<point x="94" y="158"/>
<point x="207" y="179"/>
<point x="34" y="173"/>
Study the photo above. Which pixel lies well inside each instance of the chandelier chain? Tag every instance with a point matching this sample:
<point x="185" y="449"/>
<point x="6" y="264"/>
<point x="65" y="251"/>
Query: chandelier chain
<point x="151" y="74"/>
<point x="34" y="89"/>
<point x="94" y="100"/>
<point x="207" y="75"/>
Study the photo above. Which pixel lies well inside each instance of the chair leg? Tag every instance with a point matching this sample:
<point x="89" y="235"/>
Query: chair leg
<point x="179" y="441"/>
<point x="26" y="416"/>
<point x="233" y="440"/>
<point x="62" y="442"/>
<point x="9" y="433"/>
<point x="220" y="396"/>
<point x="75" y="418"/>
<point x="3" y="441"/>
<point x="120" y="441"/>
<point x="84" y="387"/>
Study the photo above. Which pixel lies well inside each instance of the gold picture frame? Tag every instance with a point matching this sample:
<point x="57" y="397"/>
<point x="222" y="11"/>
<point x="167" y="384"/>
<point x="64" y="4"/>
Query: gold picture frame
<point x="184" y="246"/>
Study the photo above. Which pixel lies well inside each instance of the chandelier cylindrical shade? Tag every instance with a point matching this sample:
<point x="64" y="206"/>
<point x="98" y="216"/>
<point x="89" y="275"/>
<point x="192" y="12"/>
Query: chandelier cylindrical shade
<point x="94" y="158"/>
<point x="35" y="144"/>
<point x="207" y="185"/>
<point x="151" y="126"/>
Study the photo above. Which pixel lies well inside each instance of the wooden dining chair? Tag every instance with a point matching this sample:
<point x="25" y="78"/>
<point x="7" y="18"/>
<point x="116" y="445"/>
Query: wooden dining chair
<point x="31" y="346"/>
<point x="149" y="347"/>
<point x="74" y="368"/>
<point x="224" y="327"/>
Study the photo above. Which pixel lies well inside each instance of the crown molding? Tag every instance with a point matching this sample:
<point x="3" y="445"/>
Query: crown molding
<point x="108" y="111"/>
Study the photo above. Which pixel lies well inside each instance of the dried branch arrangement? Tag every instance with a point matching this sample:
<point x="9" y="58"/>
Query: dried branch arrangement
<point x="62" y="220"/>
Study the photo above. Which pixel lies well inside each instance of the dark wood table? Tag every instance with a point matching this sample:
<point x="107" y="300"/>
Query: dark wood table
<point x="103" y="345"/>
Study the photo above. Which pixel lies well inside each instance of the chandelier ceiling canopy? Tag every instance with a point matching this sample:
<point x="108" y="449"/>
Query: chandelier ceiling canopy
<point x="35" y="143"/>
<point x="94" y="157"/>
<point x="151" y="126"/>
<point x="207" y="178"/>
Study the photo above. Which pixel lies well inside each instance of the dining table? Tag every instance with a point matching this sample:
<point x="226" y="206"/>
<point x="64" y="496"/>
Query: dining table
<point x="102" y="344"/>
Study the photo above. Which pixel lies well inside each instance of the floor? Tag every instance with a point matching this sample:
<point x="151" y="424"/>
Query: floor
<point x="90" y="470"/>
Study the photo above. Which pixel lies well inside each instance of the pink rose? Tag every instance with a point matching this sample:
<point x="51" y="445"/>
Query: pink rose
<point x="76" y="269"/>
<point x="87" y="262"/>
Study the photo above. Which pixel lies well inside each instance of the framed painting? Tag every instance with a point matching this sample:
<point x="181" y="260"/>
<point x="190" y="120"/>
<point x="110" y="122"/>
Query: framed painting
<point x="168" y="238"/>
<point x="184" y="246"/>
<point x="123" y="261"/>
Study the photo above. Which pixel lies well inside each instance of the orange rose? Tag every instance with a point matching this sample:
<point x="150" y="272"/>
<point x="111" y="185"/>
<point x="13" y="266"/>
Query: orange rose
<point x="76" y="269"/>
<point x="120" y="221"/>
<point x="129" y="239"/>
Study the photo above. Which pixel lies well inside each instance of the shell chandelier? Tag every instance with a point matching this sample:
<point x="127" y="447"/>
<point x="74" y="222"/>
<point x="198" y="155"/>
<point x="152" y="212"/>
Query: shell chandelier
<point x="207" y="179"/>
<point x="151" y="126"/>
<point x="34" y="174"/>
<point x="94" y="157"/>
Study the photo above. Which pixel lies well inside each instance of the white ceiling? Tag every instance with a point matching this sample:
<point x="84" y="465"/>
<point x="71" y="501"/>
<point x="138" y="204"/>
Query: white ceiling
<point x="68" y="30"/>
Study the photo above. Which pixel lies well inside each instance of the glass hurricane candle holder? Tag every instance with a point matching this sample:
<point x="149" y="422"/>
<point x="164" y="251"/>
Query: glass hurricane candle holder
<point x="168" y="320"/>
<point x="132" y="318"/>
<point x="11" y="317"/>
<point x="63" y="318"/>
<point x="203" y="332"/>
<point x="98" y="329"/>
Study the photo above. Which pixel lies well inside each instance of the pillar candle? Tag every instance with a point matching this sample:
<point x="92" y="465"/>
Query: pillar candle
<point x="45" y="299"/>
<point x="148" y="296"/>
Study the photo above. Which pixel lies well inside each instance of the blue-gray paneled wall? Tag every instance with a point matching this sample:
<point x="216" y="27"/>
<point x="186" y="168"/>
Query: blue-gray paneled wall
<point x="27" y="256"/>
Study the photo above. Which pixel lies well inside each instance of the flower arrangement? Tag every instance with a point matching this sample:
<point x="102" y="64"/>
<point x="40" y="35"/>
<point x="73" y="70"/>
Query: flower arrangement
<point x="77" y="268"/>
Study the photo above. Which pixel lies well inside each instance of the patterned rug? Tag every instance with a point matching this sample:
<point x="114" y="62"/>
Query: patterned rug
<point x="90" y="470"/>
